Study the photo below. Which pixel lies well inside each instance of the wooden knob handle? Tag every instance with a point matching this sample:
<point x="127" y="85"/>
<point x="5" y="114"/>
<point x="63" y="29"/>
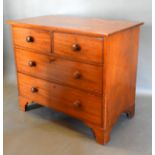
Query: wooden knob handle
<point x="32" y="63"/>
<point x="76" y="47"/>
<point x="77" y="104"/>
<point x="29" y="39"/>
<point x="34" y="90"/>
<point x="77" y="75"/>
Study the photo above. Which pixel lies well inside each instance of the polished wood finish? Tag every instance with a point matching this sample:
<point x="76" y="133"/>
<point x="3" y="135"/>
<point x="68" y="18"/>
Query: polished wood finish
<point x="69" y="24"/>
<point x="69" y="100"/>
<point x="79" y="75"/>
<point x="83" y="67"/>
<point x="38" y="40"/>
<point x="78" y="47"/>
<point x="120" y="74"/>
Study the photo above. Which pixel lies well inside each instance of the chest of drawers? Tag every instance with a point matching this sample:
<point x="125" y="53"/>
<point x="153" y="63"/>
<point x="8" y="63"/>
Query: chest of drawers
<point x="83" y="67"/>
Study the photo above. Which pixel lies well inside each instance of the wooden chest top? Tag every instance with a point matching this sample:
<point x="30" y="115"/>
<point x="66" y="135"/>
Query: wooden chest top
<point x="91" y="26"/>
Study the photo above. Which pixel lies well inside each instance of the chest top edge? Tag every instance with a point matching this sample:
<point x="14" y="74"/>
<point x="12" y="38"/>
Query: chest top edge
<point x="82" y="25"/>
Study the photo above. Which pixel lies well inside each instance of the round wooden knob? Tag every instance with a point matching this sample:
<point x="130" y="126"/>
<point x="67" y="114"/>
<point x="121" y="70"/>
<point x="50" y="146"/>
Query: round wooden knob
<point x="34" y="90"/>
<point x="29" y="39"/>
<point x="32" y="63"/>
<point x="77" y="104"/>
<point x="77" y="75"/>
<point x="76" y="47"/>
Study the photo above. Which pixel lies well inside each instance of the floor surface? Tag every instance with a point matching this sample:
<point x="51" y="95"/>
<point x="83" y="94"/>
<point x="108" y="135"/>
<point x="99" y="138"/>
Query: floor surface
<point x="42" y="131"/>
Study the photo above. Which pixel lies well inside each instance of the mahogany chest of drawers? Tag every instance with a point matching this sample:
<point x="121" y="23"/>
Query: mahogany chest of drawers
<point x="83" y="67"/>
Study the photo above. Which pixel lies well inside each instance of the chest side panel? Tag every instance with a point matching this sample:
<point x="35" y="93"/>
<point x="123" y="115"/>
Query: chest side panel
<point x="120" y="59"/>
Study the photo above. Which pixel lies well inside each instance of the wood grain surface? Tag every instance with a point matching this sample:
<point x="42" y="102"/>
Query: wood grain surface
<point x="61" y="98"/>
<point x="90" y="48"/>
<point x="41" y="40"/>
<point x="60" y="70"/>
<point x="90" y="26"/>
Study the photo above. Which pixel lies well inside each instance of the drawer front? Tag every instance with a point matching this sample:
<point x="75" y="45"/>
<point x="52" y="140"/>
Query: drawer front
<point x="37" y="40"/>
<point x="83" y="48"/>
<point x="79" y="75"/>
<point x="68" y="100"/>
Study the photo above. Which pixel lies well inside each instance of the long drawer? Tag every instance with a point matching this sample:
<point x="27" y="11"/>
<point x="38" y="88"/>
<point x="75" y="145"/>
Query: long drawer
<point x="79" y="75"/>
<point x="62" y="98"/>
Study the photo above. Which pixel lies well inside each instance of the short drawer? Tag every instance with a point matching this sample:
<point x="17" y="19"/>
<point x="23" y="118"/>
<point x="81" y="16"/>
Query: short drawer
<point x="37" y="40"/>
<point x="79" y="47"/>
<point x="84" y="76"/>
<point x="68" y="100"/>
